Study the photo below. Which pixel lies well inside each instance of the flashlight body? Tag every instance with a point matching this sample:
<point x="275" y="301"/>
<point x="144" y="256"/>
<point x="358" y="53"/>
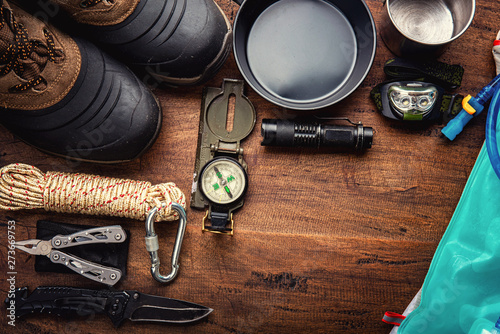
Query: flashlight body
<point x="287" y="133"/>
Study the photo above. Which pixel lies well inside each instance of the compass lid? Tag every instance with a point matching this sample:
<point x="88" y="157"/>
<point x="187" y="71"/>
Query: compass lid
<point x="218" y="109"/>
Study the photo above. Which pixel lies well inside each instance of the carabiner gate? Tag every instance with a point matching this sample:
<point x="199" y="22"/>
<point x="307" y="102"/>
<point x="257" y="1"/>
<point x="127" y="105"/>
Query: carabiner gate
<point x="152" y="244"/>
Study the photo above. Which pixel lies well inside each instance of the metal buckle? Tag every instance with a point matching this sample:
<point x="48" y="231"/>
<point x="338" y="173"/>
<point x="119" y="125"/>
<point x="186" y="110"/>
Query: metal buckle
<point x="152" y="245"/>
<point x="204" y="229"/>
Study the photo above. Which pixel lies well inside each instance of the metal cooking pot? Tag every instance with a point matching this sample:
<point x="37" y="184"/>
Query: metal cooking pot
<point x="304" y="54"/>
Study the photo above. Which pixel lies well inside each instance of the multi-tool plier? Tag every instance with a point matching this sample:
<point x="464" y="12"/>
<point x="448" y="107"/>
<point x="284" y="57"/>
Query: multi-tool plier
<point x="93" y="271"/>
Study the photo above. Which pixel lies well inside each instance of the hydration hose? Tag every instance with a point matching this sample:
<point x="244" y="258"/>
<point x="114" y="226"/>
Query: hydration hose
<point x="492" y="119"/>
<point x="473" y="106"/>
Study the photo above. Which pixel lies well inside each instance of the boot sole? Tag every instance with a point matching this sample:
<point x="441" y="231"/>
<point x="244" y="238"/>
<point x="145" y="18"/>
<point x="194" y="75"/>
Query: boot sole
<point x="147" y="147"/>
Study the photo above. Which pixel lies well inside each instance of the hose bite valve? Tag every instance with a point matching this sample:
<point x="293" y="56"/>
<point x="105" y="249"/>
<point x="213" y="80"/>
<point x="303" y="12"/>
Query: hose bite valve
<point x="473" y="106"/>
<point x="286" y="133"/>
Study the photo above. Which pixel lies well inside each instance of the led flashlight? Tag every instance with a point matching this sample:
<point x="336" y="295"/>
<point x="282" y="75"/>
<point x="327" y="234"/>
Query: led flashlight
<point x="277" y="132"/>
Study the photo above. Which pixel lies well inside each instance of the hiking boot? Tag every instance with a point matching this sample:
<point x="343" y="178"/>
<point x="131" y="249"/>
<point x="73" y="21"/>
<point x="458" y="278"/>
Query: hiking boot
<point x="66" y="97"/>
<point x="181" y="42"/>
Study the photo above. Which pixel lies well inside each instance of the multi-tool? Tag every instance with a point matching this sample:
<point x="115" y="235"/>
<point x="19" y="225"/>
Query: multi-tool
<point x="93" y="271"/>
<point x="118" y="305"/>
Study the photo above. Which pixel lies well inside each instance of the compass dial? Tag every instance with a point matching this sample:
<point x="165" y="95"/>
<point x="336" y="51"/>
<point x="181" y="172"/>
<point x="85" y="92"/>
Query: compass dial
<point x="223" y="181"/>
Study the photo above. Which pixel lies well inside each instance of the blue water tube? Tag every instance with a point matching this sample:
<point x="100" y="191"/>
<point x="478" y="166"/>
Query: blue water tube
<point x="457" y="124"/>
<point x="491" y="132"/>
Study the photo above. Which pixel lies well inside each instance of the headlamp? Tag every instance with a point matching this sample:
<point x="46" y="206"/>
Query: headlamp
<point x="415" y="101"/>
<point x="412" y="100"/>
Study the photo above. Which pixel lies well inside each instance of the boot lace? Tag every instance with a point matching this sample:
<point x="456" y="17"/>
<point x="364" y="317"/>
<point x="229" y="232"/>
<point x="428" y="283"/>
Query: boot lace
<point x="90" y="3"/>
<point x="27" y="58"/>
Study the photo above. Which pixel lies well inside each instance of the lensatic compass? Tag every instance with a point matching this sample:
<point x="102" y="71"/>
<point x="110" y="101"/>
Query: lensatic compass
<point x="220" y="177"/>
<point x="223" y="181"/>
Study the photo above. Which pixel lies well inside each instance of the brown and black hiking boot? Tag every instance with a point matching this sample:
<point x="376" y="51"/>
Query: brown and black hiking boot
<point x="66" y="97"/>
<point x="181" y="42"/>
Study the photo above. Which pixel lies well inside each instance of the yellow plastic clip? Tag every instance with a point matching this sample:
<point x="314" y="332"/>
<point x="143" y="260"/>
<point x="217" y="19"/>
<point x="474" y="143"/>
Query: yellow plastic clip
<point x="466" y="106"/>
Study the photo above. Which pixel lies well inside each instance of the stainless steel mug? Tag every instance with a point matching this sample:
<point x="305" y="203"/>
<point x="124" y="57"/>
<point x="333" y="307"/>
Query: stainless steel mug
<point x="424" y="27"/>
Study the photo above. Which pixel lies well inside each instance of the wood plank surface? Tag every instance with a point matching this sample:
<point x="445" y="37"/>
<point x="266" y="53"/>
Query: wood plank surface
<point x="326" y="242"/>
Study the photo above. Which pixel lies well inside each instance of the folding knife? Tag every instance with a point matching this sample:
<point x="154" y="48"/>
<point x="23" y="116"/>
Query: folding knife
<point x="118" y="305"/>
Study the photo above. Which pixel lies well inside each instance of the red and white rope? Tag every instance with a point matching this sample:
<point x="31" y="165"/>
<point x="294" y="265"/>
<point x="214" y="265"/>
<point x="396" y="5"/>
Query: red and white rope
<point x="26" y="187"/>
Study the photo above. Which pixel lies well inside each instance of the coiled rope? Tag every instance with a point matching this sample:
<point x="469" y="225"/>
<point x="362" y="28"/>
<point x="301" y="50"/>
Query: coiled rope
<point x="26" y="187"/>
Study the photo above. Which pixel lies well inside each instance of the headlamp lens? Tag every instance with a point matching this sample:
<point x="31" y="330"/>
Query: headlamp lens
<point x="413" y="99"/>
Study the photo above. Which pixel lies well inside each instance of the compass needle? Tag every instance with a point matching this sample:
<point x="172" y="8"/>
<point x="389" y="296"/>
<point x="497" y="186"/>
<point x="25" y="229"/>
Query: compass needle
<point x="223" y="183"/>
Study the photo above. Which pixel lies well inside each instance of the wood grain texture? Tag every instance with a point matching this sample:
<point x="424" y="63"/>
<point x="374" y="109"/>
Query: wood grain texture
<point x="326" y="243"/>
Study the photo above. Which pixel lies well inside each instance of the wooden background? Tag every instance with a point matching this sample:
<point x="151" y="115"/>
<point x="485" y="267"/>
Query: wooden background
<point x="325" y="242"/>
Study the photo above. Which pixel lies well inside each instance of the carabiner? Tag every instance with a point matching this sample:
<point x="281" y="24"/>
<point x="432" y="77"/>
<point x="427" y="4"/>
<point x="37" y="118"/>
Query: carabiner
<point x="152" y="245"/>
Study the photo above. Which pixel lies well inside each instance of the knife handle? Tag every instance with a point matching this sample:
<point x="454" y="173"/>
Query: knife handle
<point x="70" y="302"/>
<point x="90" y="270"/>
<point x="97" y="235"/>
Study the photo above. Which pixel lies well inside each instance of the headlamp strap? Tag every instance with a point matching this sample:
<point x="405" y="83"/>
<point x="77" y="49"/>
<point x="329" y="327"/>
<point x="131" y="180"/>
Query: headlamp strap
<point x="376" y="96"/>
<point x="451" y="106"/>
<point x="447" y="76"/>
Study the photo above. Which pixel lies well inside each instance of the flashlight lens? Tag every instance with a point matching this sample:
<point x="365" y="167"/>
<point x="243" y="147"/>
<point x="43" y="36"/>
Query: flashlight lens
<point x="413" y="99"/>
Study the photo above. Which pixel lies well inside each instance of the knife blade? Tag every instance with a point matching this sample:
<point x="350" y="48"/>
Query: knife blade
<point x="118" y="305"/>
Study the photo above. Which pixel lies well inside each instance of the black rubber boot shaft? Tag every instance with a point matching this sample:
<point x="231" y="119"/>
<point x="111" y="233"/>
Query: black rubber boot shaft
<point x="108" y="116"/>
